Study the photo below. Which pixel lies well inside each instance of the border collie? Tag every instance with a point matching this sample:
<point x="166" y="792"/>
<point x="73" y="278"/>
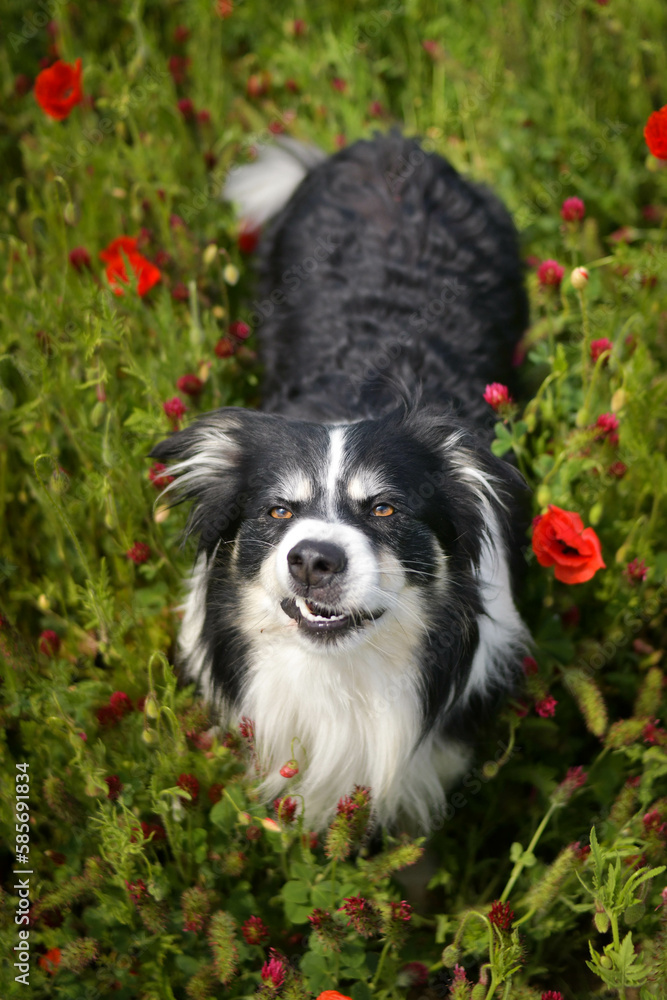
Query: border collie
<point x="352" y="590"/>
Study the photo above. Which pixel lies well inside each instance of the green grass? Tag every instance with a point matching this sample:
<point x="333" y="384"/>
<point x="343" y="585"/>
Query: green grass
<point x="542" y="101"/>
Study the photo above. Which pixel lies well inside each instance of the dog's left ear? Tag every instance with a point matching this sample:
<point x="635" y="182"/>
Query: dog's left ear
<point x="493" y="480"/>
<point x="207" y="469"/>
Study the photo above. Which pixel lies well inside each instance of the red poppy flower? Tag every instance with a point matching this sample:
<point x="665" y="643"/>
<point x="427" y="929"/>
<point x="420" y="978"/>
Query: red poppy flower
<point x="560" y="540"/>
<point x="598" y="347"/>
<point x="289" y="769"/>
<point x="58" y="89"/>
<point x="115" y="255"/>
<point x="655" y="133"/>
<point x="51" y="960"/>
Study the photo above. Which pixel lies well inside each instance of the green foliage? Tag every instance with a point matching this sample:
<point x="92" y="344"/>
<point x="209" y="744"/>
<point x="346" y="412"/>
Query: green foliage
<point x="147" y="848"/>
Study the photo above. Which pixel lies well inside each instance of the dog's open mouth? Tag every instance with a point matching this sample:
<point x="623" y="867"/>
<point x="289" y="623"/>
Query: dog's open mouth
<point x="317" y="619"/>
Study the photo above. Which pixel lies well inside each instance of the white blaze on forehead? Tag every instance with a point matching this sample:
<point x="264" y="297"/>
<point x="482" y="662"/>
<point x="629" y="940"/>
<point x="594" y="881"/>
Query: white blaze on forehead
<point x="336" y="459"/>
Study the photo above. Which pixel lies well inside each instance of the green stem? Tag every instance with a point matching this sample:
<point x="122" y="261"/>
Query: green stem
<point x="333" y="881"/>
<point x="520" y="865"/>
<point x="492" y="987"/>
<point x="383" y="955"/>
<point x="585" y="344"/>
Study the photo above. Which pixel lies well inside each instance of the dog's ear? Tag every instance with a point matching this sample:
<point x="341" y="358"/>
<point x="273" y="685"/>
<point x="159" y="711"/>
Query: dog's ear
<point x="208" y="470"/>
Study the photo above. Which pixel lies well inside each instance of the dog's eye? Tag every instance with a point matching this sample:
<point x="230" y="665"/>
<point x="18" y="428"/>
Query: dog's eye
<point x="282" y="513"/>
<point x="382" y="510"/>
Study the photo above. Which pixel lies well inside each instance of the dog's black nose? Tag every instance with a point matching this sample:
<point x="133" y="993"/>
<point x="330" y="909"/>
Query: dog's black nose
<point x="314" y="563"/>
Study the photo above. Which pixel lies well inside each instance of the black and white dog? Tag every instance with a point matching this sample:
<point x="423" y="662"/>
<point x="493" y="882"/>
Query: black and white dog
<point x="352" y="592"/>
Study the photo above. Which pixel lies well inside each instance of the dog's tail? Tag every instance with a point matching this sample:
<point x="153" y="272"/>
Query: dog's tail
<point x="261" y="188"/>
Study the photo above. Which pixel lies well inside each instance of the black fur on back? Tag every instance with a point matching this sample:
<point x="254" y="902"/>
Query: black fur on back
<point x="386" y="267"/>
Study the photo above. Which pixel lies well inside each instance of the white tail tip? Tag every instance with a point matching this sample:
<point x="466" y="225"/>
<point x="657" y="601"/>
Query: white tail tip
<point x="262" y="188"/>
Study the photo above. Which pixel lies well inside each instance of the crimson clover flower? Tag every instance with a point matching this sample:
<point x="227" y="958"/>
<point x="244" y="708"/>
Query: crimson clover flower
<point x="153" y="830"/>
<point x="497" y="395"/>
<point x="255" y="931"/>
<point x="248" y="239"/>
<point x="635" y="571"/>
<point x="120" y="702"/>
<point x="607" y="424"/>
<point x="572" y="210"/>
<point x="114" y="785"/>
<point x="239" y="329"/>
<point x="550" y="274"/>
<point x="49" y="642"/>
<point x="224" y="348"/>
<point x="190" y="784"/>
<point x="546" y="707"/>
<point x="285" y="809"/>
<point x="137" y="890"/>
<point x="191" y="385"/>
<point x="273" y="971"/>
<point x="139" y="553"/>
<point x="501" y="915"/>
<point x="364" y="916"/>
<point x="575" y="778"/>
<point x="79" y="258"/>
<point x="178" y="66"/>
<point x="156" y="476"/>
<point x="174" y="408"/>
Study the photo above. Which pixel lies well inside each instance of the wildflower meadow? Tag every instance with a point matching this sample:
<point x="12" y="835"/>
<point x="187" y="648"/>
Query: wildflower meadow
<point x="137" y="859"/>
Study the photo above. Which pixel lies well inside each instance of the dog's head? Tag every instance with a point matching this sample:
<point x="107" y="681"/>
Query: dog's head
<point x="347" y="534"/>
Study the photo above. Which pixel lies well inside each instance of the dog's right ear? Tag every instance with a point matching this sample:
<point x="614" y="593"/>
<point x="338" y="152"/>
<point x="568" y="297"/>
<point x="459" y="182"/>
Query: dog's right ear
<point x="207" y="469"/>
